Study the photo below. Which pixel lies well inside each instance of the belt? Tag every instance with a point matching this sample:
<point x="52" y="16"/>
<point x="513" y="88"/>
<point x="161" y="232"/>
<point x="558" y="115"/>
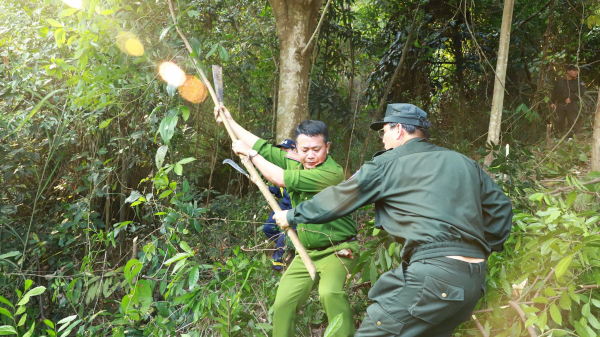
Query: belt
<point x="337" y="243"/>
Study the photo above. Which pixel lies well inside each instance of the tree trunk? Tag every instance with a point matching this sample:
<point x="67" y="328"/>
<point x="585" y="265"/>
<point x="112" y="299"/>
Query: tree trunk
<point x="537" y="98"/>
<point x="596" y="138"/>
<point x="295" y="21"/>
<point x="462" y="101"/>
<point x="500" y="79"/>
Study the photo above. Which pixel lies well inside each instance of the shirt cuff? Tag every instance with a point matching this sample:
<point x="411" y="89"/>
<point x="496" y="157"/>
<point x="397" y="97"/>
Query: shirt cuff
<point x="290" y="217"/>
<point x="259" y="145"/>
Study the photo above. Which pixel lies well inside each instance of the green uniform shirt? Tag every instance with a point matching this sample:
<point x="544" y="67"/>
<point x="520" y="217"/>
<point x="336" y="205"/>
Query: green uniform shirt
<point x="434" y="201"/>
<point x="302" y="185"/>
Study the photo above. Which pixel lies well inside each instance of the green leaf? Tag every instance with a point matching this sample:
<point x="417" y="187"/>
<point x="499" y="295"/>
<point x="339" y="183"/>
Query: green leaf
<point x="186" y="160"/>
<point x="22" y="320"/>
<point x="171" y="90"/>
<point x="59" y="37"/>
<point x="66" y="319"/>
<point x="107" y="12"/>
<point x="212" y="50"/>
<point x="7" y="330"/>
<point x="565" y="301"/>
<point x="164" y="32"/>
<point x="177" y="257"/>
<point x="160" y="155"/>
<point x="167" y="128"/>
<point x="54" y="23"/>
<point x="165" y="194"/>
<point x="33" y="292"/>
<point x="581" y="329"/>
<point x="223" y="53"/>
<point x="185" y="112"/>
<point x="571" y="198"/>
<point x="593" y="322"/>
<point x="193" y="277"/>
<point x="542" y="319"/>
<point x="585" y="310"/>
<point x="30" y="332"/>
<point x="555" y="314"/>
<point x="562" y="266"/>
<point x="49" y="323"/>
<point x="536" y="196"/>
<point x="334" y="326"/>
<point x="185" y="247"/>
<point x="5" y="313"/>
<point x="132" y="268"/>
<point x="20" y="310"/>
<point x="105" y="123"/>
<point x="28" y="284"/>
<point x="178" y="169"/>
<point x="143" y="295"/>
<point x="67" y="12"/>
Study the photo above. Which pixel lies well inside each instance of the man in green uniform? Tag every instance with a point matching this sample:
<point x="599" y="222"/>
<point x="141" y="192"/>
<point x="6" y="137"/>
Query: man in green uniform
<point x="441" y="206"/>
<point x="332" y="245"/>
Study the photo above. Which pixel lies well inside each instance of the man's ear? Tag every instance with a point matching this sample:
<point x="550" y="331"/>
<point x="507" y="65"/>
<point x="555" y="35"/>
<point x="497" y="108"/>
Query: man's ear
<point x="401" y="129"/>
<point x="328" y="147"/>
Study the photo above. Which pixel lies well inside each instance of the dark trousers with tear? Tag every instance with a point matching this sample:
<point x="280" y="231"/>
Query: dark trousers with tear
<point x="566" y="119"/>
<point x="429" y="297"/>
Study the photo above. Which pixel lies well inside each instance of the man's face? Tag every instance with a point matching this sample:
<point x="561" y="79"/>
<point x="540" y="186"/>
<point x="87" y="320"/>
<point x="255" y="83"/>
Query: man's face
<point x="573" y="73"/>
<point x="391" y="136"/>
<point x="287" y="150"/>
<point x="311" y="150"/>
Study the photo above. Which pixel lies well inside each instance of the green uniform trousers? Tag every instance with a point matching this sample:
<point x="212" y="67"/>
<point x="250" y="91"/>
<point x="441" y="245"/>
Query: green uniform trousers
<point x="428" y="298"/>
<point x="296" y="285"/>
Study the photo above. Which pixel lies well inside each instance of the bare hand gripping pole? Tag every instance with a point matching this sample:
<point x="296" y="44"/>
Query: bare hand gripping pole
<point x="254" y="176"/>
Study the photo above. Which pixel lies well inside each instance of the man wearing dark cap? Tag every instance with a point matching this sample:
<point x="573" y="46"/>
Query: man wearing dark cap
<point x="565" y="100"/>
<point x="271" y="230"/>
<point x="441" y="206"/>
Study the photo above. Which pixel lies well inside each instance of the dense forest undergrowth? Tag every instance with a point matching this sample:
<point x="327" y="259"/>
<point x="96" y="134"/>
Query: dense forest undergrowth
<point x="117" y="217"/>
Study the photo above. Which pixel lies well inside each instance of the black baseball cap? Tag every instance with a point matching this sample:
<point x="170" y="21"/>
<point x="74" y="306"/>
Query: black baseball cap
<point x="287" y="144"/>
<point x="402" y="113"/>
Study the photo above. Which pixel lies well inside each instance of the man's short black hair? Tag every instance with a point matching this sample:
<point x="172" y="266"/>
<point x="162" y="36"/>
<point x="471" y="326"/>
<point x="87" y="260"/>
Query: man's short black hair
<point x="312" y="128"/>
<point x="572" y="67"/>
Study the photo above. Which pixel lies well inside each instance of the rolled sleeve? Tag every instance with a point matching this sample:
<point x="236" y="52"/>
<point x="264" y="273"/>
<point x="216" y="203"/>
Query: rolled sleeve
<point x="270" y="153"/>
<point x="311" y="181"/>
<point x="335" y="202"/>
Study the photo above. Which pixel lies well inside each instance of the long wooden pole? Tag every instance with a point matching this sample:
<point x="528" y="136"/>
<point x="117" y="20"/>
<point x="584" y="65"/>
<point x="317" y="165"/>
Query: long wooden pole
<point x="254" y="176"/>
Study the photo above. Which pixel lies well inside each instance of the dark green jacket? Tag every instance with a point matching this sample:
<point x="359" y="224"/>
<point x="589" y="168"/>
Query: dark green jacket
<point x="563" y="89"/>
<point x="434" y="201"/>
<point x="302" y="185"/>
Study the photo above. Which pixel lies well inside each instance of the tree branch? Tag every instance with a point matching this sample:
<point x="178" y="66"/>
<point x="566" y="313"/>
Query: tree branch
<point x="316" y="32"/>
<point x="516" y="306"/>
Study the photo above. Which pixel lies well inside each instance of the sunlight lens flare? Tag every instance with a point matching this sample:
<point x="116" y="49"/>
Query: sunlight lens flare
<point x="78" y="4"/>
<point x="130" y="44"/>
<point x="171" y="73"/>
<point x="193" y="90"/>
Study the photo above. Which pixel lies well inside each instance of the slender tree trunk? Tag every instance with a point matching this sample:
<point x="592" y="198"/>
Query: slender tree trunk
<point x="596" y="138"/>
<point x="459" y="59"/>
<point x="107" y="214"/>
<point x="295" y="21"/>
<point x="537" y="98"/>
<point x="498" y="98"/>
<point x="123" y="180"/>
